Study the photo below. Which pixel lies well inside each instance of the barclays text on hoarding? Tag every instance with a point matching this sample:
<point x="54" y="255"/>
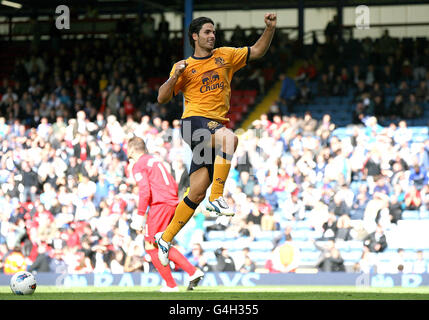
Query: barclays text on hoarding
<point x="230" y="279"/>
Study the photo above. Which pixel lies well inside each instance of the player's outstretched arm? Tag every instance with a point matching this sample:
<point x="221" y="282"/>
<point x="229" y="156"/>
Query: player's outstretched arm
<point x="261" y="46"/>
<point x="165" y="92"/>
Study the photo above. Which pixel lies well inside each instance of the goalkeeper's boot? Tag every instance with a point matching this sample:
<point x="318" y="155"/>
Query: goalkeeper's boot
<point x="220" y="207"/>
<point x="169" y="289"/>
<point x="163" y="249"/>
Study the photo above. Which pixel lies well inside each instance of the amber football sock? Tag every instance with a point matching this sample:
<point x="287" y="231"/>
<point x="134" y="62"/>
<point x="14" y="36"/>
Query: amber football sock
<point x="222" y="165"/>
<point x="184" y="211"/>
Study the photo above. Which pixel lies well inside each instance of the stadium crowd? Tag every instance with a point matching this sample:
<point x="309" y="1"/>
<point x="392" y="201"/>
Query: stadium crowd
<point x="67" y="197"/>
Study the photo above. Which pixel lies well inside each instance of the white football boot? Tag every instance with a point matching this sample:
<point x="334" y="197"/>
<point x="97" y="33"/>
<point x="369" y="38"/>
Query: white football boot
<point x="163" y="249"/>
<point x="169" y="289"/>
<point x="195" y="279"/>
<point x="220" y="207"/>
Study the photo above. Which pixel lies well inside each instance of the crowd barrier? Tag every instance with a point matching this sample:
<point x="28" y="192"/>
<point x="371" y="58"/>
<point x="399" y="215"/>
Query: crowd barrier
<point x="232" y="279"/>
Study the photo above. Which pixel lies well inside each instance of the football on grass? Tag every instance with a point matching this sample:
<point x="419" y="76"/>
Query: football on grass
<point x="23" y="283"/>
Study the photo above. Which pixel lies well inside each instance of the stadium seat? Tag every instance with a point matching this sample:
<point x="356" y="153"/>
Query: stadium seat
<point x="300" y="235"/>
<point x="249" y="93"/>
<point x="258" y="256"/>
<point x="310" y="257"/>
<point x="304" y="225"/>
<point x="355" y="245"/>
<point x="342" y="246"/>
<point x="263" y="245"/>
<point x="215" y="235"/>
<point x="234" y="116"/>
<point x="410" y="214"/>
<point x="212" y="245"/>
<point x="266" y="235"/>
<point x="304" y="245"/>
<point x="309" y="249"/>
<point x="351" y="255"/>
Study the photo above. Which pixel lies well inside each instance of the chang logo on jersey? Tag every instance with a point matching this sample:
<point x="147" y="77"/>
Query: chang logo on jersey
<point x="211" y="81"/>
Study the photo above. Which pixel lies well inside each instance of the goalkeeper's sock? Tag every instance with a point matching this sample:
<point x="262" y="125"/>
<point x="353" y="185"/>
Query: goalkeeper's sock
<point x="178" y="258"/>
<point x="184" y="211"/>
<point x="165" y="272"/>
<point x="222" y="165"/>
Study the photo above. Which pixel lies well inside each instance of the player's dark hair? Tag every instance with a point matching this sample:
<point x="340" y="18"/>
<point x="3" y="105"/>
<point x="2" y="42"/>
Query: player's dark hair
<point x="195" y="27"/>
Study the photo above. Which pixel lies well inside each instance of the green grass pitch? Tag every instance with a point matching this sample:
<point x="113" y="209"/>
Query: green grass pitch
<point x="222" y="293"/>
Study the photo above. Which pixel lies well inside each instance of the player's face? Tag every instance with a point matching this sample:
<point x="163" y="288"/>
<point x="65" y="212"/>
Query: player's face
<point x="206" y="37"/>
<point x="131" y="153"/>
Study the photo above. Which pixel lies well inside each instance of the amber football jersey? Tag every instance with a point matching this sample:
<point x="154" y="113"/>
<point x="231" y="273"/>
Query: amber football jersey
<point x="206" y="82"/>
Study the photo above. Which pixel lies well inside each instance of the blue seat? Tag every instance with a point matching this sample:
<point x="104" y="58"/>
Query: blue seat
<point x="310" y="256"/>
<point x="351" y="256"/>
<point x="410" y="215"/>
<point x="215" y="235"/>
<point x="355" y="245"/>
<point x="266" y="235"/>
<point x="212" y="245"/>
<point x="263" y="245"/>
<point x="300" y="235"/>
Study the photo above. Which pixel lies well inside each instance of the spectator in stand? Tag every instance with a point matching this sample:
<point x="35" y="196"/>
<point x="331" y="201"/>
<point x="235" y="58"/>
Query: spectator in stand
<point x="396" y="107"/>
<point x="412" y="109"/>
<point x="338" y="206"/>
<point x="14" y="261"/>
<point x="413" y="198"/>
<point x="57" y="263"/>
<point x="117" y="263"/>
<point x="286" y="235"/>
<point x="271" y="197"/>
<point x="248" y="265"/>
<point x="224" y="261"/>
<point x="268" y="221"/>
<point x="42" y="262"/>
<point x="378" y="107"/>
<point x="306" y="72"/>
<point x="376" y="241"/>
<point x="329" y="227"/>
<point x="418" y="177"/>
<point x="345" y="231"/>
<point x="359" y="203"/>
<point x="29" y="182"/>
<point x="330" y="259"/>
<point x="197" y="258"/>
<point x="324" y="87"/>
<point x="420" y="265"/>
<point x="288" y="95"/>
<point x="422" y="92"/>
<point x="294" y="208"/>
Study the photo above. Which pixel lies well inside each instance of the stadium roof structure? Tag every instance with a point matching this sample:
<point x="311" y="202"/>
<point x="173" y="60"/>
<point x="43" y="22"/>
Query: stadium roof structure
<point x="46" y="7"/>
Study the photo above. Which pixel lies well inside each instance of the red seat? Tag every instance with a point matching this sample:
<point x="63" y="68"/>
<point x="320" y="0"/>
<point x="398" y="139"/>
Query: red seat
<point x="239" y="108"/>
<point x="250" y="93"/>
<point x="239" y="93"/>
<point x="235" y="100"/>
<point x="230" y="124"/>
<point x="235" y="116"/>
<point x="247" y="100"/>
<point x="154" y="82"/>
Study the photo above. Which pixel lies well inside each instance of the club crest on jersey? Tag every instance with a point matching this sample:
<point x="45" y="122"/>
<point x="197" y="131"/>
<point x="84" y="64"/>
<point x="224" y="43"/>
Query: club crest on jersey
<point x="220" y="61"/>
<point x="212" y="125"/>
<point x="211" y="81"/>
